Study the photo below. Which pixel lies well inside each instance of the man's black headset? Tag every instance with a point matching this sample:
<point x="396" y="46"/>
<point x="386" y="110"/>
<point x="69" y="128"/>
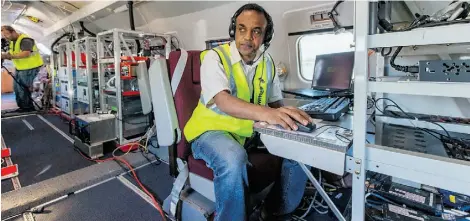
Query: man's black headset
<point x="269" y="33"/>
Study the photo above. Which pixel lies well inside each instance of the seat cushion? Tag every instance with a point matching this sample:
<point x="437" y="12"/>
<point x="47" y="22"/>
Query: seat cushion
<point x="199" y="167"/>
<point x="265" y="169"/>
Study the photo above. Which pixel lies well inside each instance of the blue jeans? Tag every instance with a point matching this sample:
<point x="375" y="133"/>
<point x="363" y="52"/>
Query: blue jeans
<point x="229" y="161"/>
<point x="23" y="97"/>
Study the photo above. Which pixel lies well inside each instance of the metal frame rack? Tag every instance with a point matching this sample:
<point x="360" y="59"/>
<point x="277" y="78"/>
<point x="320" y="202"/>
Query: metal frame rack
<point x="54" y="78"/>
<point x="119" y="39"/>
<point x="440" y="172"/>
<point x="88" y="46"/>
<point x="65" y="74"/>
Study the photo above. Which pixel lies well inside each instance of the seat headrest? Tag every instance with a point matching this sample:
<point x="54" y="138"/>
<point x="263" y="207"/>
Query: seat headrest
<point x="193" y="64"/>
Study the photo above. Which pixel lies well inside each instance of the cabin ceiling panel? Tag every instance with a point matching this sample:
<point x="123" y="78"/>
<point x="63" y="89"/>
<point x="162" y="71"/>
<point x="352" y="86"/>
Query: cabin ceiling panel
<point x="11" y="11"/>
<point x="147" y="11"/>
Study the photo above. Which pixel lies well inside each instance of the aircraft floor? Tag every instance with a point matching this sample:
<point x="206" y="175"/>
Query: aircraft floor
<point x="40" y="152"/>
<point x="46" y="158"/>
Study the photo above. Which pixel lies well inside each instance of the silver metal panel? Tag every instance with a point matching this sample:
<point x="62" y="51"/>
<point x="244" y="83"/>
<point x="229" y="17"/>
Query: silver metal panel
<point x="421" y="36"/>
<point x="70" y="78"/>
<point x="422" y="168"/>
<point x="361" y="25"/>
<point x="202" y="185"/>
<point x="195" y="207"/>
<point x="319" y="157"/>
<point x="144" y="87"/>
<point x="117" y="74"/>
<point x="444" y="70"/>
<point x="432" y="170"/>
<point x="446" y="89"/>
<point x="94" y="151"/>
<point x="100" y="127"/>
<point x="134" y="126"/>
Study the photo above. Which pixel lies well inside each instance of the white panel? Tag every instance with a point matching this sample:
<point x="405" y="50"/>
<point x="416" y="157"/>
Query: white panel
<point x="64" y="88"/>
<point x="319" y="157"/>
<point x="422" y="168"/>
<point x="79" y="14"/>
<point x="301" y="17"/>
<point x="163" y="103"/>
<point x="202" y="185"/>
<point x="447" y="89"/>
<point x="422" y="36"/>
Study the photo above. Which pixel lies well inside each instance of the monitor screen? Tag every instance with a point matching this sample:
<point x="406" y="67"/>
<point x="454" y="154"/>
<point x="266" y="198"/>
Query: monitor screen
<point x="333" y="71"/>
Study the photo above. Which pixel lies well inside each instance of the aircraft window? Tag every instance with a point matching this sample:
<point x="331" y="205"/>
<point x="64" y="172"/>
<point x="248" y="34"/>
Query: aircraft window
<point x="309" y="46"/>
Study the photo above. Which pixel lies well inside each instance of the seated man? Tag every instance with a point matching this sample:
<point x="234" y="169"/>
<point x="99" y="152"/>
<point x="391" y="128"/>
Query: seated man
<point x="239" y="86"/>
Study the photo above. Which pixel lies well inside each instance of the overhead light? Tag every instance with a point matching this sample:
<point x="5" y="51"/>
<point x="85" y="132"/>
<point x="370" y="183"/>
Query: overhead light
<point x="120" y="9"/>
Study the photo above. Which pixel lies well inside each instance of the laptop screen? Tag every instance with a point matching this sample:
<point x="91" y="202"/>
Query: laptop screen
<point x="333" y="71"/>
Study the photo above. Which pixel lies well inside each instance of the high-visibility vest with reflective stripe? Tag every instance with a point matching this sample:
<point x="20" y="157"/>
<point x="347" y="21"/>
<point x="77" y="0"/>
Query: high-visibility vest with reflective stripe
<point x="33" y="61"/>
<point x="213" y="119"/>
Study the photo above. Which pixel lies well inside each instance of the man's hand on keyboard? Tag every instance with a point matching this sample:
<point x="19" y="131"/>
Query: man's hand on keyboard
<point x="285" y="117"/>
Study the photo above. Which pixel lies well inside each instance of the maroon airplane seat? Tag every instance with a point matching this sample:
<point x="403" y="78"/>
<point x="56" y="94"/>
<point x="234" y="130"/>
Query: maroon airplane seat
<point x="266" y="167"/>
<point x="187" y="94"/>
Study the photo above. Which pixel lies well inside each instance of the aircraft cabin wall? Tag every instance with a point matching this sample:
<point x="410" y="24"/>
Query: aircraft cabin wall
<point x="193" y="29"/>
<point x="296" y="41"/>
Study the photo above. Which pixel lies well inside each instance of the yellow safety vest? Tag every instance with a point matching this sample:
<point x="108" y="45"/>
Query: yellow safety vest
<point x="33" y="61"/>
<point x="213" y="119"/>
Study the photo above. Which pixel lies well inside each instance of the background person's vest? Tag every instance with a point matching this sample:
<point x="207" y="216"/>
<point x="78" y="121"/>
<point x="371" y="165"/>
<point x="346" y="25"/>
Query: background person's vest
<point x="213" y="119"/>
<point x="33" y="61"/>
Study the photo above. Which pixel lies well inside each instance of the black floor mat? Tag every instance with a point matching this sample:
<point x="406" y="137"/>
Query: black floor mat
<point x="16" y="218"/>
<point x="41" y="153"/>
<point x="156" y="178"/>
<point x="60" y="123"/>
<point x="106" y="202"/>
<point x="7" y="186"/>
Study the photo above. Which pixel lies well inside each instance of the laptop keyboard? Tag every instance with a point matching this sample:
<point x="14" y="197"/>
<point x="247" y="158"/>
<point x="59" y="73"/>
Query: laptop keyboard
<point x="320" y="105"/>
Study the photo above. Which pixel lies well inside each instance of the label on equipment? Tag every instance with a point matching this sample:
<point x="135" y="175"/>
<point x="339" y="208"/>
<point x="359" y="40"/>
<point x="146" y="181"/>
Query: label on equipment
<point x="452" y="198"/>
<point x="404" y="212"/>
<point x="408" y="195"/>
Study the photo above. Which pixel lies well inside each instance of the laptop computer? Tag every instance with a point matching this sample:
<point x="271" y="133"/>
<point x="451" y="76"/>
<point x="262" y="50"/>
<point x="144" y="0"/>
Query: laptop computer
<point x="332" y="74"/>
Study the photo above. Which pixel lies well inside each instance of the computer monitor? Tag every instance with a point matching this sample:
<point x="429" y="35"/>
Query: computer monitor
<point x="333" y="72"/>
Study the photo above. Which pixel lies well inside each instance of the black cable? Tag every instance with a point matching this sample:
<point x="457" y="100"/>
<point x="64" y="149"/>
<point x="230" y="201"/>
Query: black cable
<point x="342" y="137"/>
<point x="444" y="23"/>
<point x="333" y="13"/>
<point x="409" y="116"/>
<point x="410" y="69"/>
<point x="382" y="52"/>
<point x="24" y="87"/>
<point x="444" y="138"/>
<point x="332" y="126"/>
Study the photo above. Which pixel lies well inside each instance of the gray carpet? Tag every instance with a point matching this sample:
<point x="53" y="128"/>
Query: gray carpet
<point x="107" y="202"/>
<point x="60" y="123"/>
<point x="7" y="186"/>
<point x="41" y="153"/>
<point x="156" y="178"/>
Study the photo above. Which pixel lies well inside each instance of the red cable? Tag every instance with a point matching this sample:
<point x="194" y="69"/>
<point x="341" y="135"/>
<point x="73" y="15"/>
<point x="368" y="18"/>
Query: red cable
<point x="154" y="201"/>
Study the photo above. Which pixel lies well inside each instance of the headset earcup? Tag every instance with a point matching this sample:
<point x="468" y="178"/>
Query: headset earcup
<point x="231" y="29"/>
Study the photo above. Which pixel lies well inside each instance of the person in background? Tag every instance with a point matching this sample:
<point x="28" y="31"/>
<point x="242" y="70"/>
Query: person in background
<point x="25" y="56"/>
